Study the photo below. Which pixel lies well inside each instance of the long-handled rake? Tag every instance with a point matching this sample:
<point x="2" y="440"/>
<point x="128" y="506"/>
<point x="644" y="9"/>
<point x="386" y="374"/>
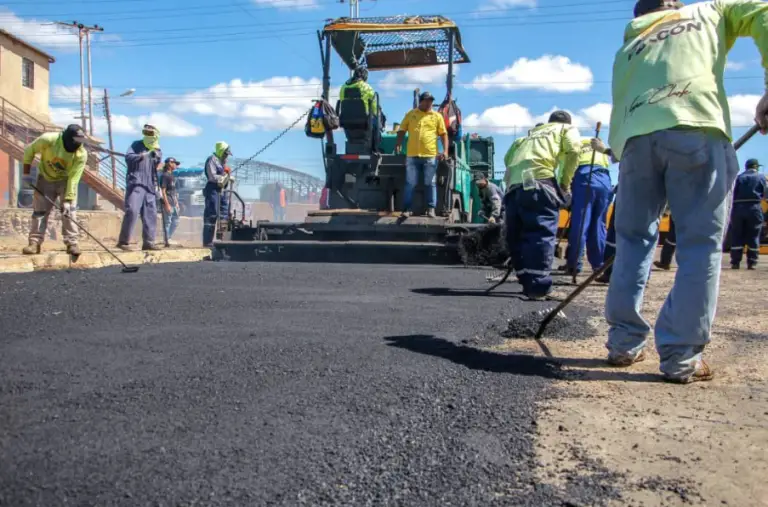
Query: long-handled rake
<point x="126" y="268"/>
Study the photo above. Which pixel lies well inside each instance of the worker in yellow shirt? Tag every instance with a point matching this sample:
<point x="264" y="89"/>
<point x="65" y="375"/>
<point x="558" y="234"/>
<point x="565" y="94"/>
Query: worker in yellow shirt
<point x="424" y="126"/>
<point x="62" y="162"/>
<point x="534" y="198"/>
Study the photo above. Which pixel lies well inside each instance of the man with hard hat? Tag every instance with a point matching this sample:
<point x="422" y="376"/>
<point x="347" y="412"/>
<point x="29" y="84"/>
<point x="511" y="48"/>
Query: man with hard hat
<point x="218" y="176"/>
<point x="143" y="159"/>
<point x="534" y="198"/>
<point x="747" y="215"/>
<point x="62" y="162"/>
<point x="670" y="130"/>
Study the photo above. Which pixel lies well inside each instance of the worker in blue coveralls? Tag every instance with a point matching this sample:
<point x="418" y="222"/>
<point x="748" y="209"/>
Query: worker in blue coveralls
<point x="218" y="177"/>
<point x="534" y="198"/>
<point x="747" y="215"/>
<point x="591" y="199"/>
<point x="143" y="159"/>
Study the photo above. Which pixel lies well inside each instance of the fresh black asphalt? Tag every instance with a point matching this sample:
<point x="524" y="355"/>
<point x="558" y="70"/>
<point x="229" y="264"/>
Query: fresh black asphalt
<point x="266" y="384"/>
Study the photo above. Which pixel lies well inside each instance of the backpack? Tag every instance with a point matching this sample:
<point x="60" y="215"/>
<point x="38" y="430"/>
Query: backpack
<point x="452" y="117"/>
<point x="321" y="118"/>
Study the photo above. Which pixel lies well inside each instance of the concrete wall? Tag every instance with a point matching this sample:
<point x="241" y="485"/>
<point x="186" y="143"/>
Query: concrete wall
<point x="33" y="101"/>
<point x="105" y="225"/>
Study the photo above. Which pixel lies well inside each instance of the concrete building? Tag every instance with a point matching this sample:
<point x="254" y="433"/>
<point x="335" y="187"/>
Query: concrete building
<point x="25" y="75"/>
<point x="24" y="89"/>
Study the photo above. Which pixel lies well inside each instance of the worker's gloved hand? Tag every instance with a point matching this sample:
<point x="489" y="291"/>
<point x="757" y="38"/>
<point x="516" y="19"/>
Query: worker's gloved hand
<point x="491" y="220"/>
<point x="66" y="208"/>
<point x="598" y="145"/>
<point x="761" y="114"/>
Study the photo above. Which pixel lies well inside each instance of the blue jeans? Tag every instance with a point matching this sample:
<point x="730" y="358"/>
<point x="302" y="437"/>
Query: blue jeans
<point x="531" y="218"/>
<point x="171" y="221"/>
<point x="216" y="203"/>
<point x="694" y="170"/>
<point x="596" y="200"/>
<point x="428" y="166"/>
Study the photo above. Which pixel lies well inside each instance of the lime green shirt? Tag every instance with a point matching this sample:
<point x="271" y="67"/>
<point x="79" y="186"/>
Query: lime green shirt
<point x="542" y="150"/>
<point x="585" y="155"/>
<point x="56" y="163"/>
<point x="366" y="92"/>
<point x="669" y="72"/>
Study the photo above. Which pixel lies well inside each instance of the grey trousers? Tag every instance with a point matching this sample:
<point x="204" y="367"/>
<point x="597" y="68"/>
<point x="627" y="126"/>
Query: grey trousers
<point x="41" y="210"/>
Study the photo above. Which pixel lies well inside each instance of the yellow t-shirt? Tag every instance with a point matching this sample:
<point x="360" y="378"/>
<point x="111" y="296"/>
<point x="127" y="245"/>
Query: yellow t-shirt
<point x="423" y="130"/>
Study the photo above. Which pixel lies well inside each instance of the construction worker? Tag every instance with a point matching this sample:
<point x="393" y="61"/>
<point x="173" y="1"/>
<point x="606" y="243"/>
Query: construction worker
<point x="217" y="174"/>
<point x="491" y="198"/>
<point x="668" y="248"/>
<point x="747" y="215"/>
<point x="278" y="203"/>
<point x="534" y="198"/>
<point x="143" y="159"/>
<point x="359" y="80"/>
<point x="591" y="199"/>
<point x="424" y="126"/>
<point x="170" y="197"/>
<point x="670" y="130"/>
<point x="62" y="162"/>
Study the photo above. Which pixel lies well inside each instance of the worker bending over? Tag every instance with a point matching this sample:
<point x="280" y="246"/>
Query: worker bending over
<point x="534" y="198"/>
<point x="747" y="215"/>
<point x="671" y="132"/>
<point x="216" y="201"/>
<point x="491" y="199"/>
<point x="591" y="199"/>
<point x="62" y="162"/>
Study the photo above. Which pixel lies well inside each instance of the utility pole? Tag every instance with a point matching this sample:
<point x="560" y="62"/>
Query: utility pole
<point x="83" y="30"/>
<point x="109" y="133"/>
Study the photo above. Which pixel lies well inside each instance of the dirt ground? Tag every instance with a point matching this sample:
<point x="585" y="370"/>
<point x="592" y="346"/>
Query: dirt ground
<point x="703" y="443"/>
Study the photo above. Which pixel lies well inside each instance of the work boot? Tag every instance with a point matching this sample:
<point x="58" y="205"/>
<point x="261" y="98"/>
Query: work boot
<point x="604" y="278"/>
<point x="624" y="360"/>
<point x="73" y="250"/>
<point x="702" y="374"/>
<point x="32" y="249"/>
<point x="125" y="247"/>
<point x="751" y="266"/>
<point x="431" y="213"/>
<point x="734" y="266"/>
<point x="151" y="247"/>
<point x="661" y="265"/>
<point x="405" y="214"/>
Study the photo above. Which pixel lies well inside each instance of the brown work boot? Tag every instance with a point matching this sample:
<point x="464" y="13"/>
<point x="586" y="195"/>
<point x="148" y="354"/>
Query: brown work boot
<point x="125" y="247"/>
<point x="702" y="374"/>
<point x="151" y="247"/>
<point x="624" y="360"/>
<point x="31" y="249"/>
<point x="73" y="250"/>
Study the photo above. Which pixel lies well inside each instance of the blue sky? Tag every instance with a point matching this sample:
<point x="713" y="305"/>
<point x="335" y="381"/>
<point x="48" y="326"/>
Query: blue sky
<point x="242" y="70"/>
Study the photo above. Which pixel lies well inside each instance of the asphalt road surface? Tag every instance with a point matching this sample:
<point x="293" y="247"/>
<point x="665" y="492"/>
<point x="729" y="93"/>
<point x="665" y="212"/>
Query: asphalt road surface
<point x="265" y="384"/>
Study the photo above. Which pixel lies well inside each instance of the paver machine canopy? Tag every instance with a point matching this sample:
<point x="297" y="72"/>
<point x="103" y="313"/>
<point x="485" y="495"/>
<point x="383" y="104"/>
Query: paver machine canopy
<point x="369" y="175"/>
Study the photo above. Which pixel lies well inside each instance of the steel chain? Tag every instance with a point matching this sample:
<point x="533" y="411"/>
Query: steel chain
<point x="273" y="141"/>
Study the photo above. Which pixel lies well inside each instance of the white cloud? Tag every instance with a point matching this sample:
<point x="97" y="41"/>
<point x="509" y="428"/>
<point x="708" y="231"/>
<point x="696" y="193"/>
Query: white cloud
<point x="44" y="33"/>
<point x="501" y="5"/>
<point x="549" y="72"/>
<point x="515" y="119"/>
<point x="288" y="4"/>
<point x="64" y="93"/>
<point x="271" y="104"/>
<point x="731" y="65"/>
<point x="169" y="125"/>
<point x="408" y="79"/>
<point x="743" y="109"/>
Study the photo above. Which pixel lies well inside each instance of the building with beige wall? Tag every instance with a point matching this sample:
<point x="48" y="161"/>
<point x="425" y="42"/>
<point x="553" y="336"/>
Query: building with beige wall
<point x="24" y="75"/>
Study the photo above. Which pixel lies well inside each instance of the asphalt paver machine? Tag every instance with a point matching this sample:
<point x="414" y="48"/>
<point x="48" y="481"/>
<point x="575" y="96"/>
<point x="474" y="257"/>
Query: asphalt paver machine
<point x="360" y="220"/>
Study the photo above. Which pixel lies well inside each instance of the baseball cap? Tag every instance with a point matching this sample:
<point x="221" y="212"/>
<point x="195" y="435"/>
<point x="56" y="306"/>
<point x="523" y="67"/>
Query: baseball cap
<point x="171" y="159"/>
<point x="75" y="132"/>
<point x="752" y="162"/>
<point x="426" y="96"/>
